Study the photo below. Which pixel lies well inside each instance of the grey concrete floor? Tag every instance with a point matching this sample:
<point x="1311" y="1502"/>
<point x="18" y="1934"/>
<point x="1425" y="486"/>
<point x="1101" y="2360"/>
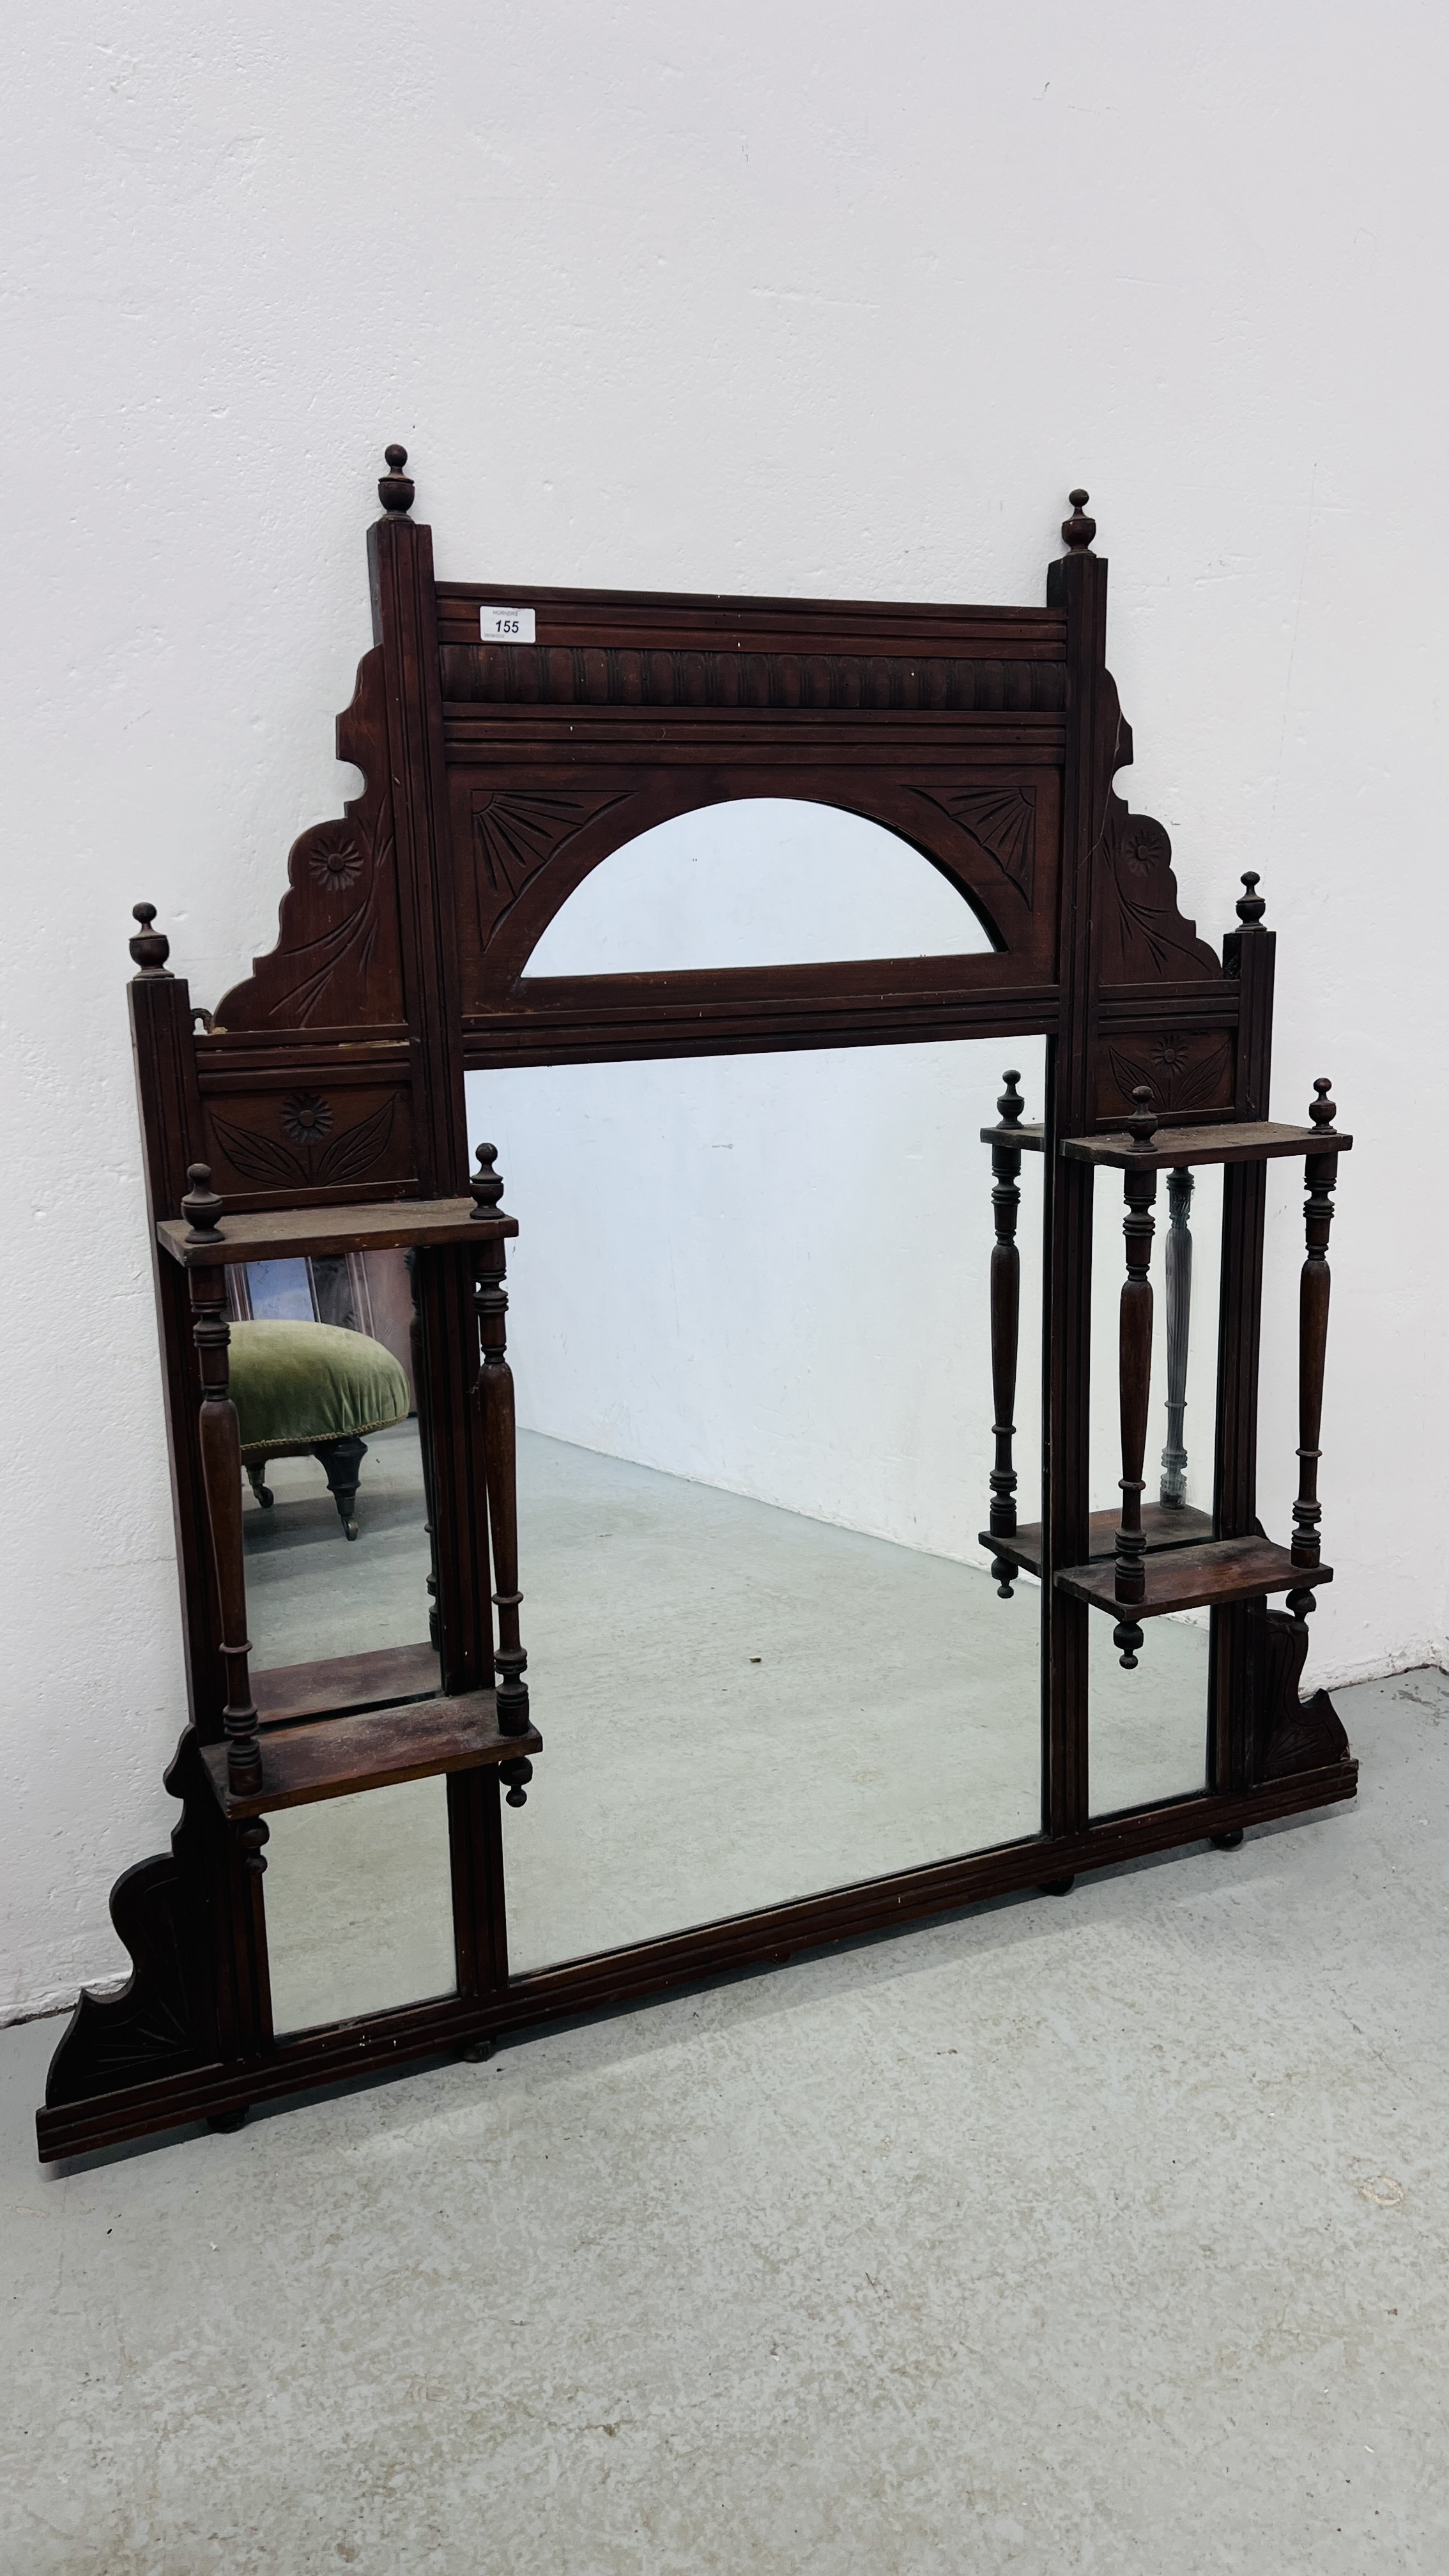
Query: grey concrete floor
<point x="1106" y="2234"/>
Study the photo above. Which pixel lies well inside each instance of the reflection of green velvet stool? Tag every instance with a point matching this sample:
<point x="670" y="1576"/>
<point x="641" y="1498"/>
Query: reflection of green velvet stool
<point x="310" y="1391"/>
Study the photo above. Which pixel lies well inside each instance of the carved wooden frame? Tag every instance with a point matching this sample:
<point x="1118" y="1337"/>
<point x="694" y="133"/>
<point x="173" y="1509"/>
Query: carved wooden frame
<point x="496" y="777"/>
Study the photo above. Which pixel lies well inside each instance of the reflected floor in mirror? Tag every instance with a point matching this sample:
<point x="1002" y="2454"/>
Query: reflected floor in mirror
<point x="359" y="1905"/>
<point x="312" y="1591"/>
<point x="741" y="1705"/>
<point x="1148" y="1728"/>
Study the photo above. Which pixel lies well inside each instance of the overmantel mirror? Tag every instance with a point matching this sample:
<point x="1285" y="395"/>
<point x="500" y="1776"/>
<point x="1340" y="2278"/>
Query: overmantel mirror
<point x="866" y="1546"/>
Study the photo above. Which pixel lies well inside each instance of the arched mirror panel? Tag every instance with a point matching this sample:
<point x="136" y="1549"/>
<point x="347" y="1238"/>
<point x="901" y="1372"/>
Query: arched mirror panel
<point x="762" y="881"/>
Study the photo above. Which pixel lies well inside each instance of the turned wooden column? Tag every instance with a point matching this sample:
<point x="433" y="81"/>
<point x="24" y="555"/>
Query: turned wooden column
<point x="1177" y="1265"/>
<point x="495" y="1390"/>
<point x="1005" y="1325"/>
<point x="1320" y="1172"/>
<point x="221" y="1469"/>
<point x="1134" y="1367"/>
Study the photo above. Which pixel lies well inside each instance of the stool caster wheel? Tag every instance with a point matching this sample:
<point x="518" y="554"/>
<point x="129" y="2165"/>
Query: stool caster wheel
<point x="226" y="2122"/>
<point x="1057" y="1886"/>
<point x="1227" y="1842"/>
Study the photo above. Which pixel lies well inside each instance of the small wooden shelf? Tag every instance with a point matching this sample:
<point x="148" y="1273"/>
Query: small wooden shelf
<point x="1234" y="1141"/>
<point x="1028" y="1139"/>
<point x="344" y="1685"/>
<point x="1166" y="1525"/>
<point x="338" y="1755"/>
<point x="271" y="1233"/>
<point x="1192" y="1578"/>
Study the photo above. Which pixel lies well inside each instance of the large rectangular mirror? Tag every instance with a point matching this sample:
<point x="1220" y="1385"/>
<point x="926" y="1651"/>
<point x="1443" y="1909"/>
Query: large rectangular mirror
<point x="751" y="1335"/>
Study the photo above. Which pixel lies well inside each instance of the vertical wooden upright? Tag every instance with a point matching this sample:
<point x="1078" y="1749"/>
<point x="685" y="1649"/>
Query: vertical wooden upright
<point x="1077" y="582"/>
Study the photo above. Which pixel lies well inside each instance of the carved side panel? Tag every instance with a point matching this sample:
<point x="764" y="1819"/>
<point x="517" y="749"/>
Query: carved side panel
<point x="164" y="2018"/>
<point x="1145" y="939"/>
<point x="1289" y="1734"/>
<point x="320" y="1142"/>
<point x="1190" y="1074"/>
<point x="337" y="962"/>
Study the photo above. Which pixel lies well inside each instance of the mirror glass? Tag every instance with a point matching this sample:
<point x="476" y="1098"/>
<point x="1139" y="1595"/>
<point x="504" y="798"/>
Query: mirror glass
<point x="359" y="1905"/>
<point x="1148" y="1728"/>
<point x="766" y="881"/>
<point x="334" y="1508"/>
<point x="750" y="1330"/>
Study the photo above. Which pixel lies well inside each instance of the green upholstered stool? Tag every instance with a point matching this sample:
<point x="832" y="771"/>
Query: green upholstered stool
<point x="311" y="1391"/>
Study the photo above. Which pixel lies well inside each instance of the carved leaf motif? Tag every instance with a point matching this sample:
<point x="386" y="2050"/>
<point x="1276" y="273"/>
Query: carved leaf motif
<point x="515" y="832"/>
<point x="356" y="1149"/>
<point x="1177" y="1080"/>
<point x="259" y="1158"/>
<point x="1002" y="823"/>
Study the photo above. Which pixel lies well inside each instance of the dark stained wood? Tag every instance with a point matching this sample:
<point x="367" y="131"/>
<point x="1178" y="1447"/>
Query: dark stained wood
<point x="1320" y="1174"/>
<point x="325" y="1094"/>
<point x="342" y="1685"/>
<point x="1161" y="1527"/>
<point x="222" y="1480"/>
<point x="1191" y="1578"/>
<point x="1005" y="1318"/>
<point x="1246" y="1141"/>
<point x="339" y="1756"/>
<point x="495" y="1397"/>
<point x="1134" y="1368"/>
<point x="1177" y="1266"/>
<point x="272" y="1235"/>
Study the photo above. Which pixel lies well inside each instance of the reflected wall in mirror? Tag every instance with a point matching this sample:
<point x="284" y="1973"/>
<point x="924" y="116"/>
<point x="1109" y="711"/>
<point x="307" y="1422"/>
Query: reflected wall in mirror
<point x="359" y="1905"/>
<point x="766" y="881"/>
<point x="325" y="1363"/>
<point x="1148" y="1727"/>
<point x="752" y="1341"/>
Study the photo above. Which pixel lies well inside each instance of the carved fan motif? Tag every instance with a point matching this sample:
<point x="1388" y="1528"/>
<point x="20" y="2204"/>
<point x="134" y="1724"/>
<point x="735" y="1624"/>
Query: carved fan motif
<point x="1002" y="823"/>
<point x="1182" y="1072"/>
<point x="514" y="833"/>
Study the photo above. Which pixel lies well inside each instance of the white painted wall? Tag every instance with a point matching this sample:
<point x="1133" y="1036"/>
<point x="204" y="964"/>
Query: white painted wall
<point x="812" y="300"/>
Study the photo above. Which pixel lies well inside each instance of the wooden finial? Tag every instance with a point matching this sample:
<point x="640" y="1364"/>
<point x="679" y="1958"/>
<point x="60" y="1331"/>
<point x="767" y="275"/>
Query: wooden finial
<point x="1078" y="531"/>
<point x="1142" y="1125"/>
<point x="1010" y="1106"/>
<point x="486" y="1184"/>
<point x="395" y="489"/>
<point x="1323" y="1111"/>
<point x="150" y="948"/>
<point x="1251" y="906"/>
<point x="201" y="1206"/>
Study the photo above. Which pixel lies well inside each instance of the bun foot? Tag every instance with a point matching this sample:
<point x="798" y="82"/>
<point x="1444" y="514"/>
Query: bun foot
<point x="477" y="2051"/>
<point x="225" y="2122"/>
<point x="1226" y="1842"/>
<point x="1057" y="1886"/>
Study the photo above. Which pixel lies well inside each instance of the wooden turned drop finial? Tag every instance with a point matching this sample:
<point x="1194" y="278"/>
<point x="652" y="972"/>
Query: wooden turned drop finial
<point x="150" y="948"/>
<point x="1142" y="1125"/>
<point x="1323" y="1111"/>
<point x="202" y="1205"/>
<point x="1010" y="1105"/>
<point x="396" y="490"/>
<point x="1077" y="530"/>
<point x="1250" y="905"/>
<point x="486" y="1184"/>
